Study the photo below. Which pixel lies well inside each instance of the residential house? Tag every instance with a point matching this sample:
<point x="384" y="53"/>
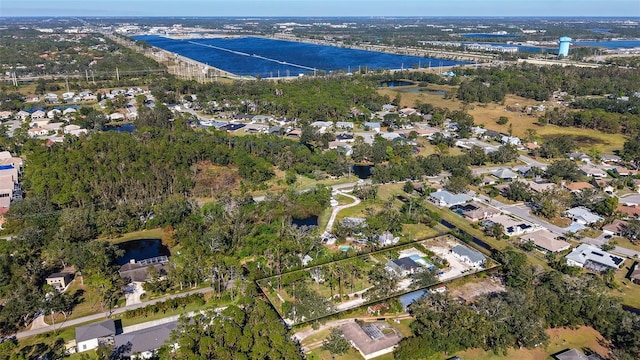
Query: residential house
<point x="629" y="212"/>
<point x="345" y="137"/>
<point x="256" y="128"/>
<point x="276" y="130"/>
<point x="510" y="140"/>
<point x="142" y="344"/>
<point x="53" y="112"/>
<point x="294" y="134"/>
<point x="371" y="126"/>
<point x="7" y="188"/>
<point x="376" y="309"/>
<point x="387" y="238"/>
<point x="448" y="199"/>
<point x="38" y="115"/>
<point x="388" y="107"/>
<point x="577" y="186"/>
<point x="344" y="125"/>
<point x="262" y="119"/>
<point x="38" y="131"/>
<point x="623" y="171"/>
<point x="546" y="241"/>
<point x="615" y="228"/>
<point x="403" y="266"/>
<point x="475" y="211"/>
<point x="538" y="186"/>
<point x="593" y="172"/>
<point x="486" y="181"/>
<point x="22" y="115"/>
<point x="408" y="111"/>
<point x="578" y="156"/>
<point x="491" y="134"/>
<point x="369" y="339"/>
<point x="96" y="335"/>
<point x="593" y="258"/>
<point x="583" y="216"/>
<point x="575" y="354"/>
<point x="630" y="200"/>
<point x="59" y="280"/>
<point x="469" y="256"/>
<point x="611" y="158"/>
<point x="635" y="274"/>
<point x="512" y="226"/>
<point x="117" y="117"/>
<point x="135" y="271"/>
<point x="321" y="124"/>
<point x="505" y="174"/>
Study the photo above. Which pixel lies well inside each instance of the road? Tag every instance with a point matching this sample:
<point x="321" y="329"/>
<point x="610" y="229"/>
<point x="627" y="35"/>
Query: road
<point x="102" y="316"/>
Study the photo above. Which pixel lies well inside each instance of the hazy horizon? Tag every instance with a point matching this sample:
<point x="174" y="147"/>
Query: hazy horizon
<point x="320" y="8"/>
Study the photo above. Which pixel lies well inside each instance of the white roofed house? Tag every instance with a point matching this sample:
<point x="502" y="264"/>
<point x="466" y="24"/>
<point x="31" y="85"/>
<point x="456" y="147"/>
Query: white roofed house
<point x="22" y="115"/>
<point x="53" y="112"/>
<point x="448" y="199"/>
<point x="583" y="216"/>
<point x="593" y="172"/>
<point x="38" y="114"/>
<point x="4" y="115"/>
<point x="510" y="140"/>
<point x="344" y="125"/>
<point x="592" y="258"/>
<point x="387" y="238"/>
<point x="469" y="256"/>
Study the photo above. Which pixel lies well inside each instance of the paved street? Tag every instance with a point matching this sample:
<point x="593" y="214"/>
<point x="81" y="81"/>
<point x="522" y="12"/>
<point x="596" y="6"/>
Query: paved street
<point x="102" y="316"/>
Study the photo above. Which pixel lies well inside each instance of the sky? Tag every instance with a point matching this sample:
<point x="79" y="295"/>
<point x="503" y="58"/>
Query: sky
<point x="137" y="8"/>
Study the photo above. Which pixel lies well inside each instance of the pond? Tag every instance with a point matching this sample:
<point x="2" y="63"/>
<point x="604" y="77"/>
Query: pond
<point x="362" y="171"/>
<point x="396" y="83"/>
<point x="142" y="249"/>
<point x="425" y="91"/>
<point x="308" y="221"/>
<point x="124" y="128"/>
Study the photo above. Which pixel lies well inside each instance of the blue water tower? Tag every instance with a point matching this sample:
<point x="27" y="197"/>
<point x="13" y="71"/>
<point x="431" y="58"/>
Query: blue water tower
<point x="563" y="50"/>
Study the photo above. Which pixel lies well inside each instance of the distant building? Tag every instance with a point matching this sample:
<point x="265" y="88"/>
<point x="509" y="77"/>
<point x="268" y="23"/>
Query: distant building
<point x="583" y="216"/>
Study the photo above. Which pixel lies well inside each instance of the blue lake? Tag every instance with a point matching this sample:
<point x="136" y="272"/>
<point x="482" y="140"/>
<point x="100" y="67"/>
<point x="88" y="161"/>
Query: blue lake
<point x="267" y="57"/>
<point x="124" y="128"/>
<point x="611" y="44"/>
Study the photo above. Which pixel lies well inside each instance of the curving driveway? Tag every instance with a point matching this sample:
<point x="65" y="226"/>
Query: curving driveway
<point x="337" y="209"/>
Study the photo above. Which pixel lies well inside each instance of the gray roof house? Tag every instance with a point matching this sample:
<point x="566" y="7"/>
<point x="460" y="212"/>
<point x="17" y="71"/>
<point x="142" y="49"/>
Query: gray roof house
<point x="143" y="342"/>
<point x="505" y="174"/>
<point x="470" y="256"/>
<point x="403" y="266"/>
<point x="593" y="258"/>
<point x="448" y="199"/>
<point x="575" y="354"/>
<point x="92" y="336"/>
<point x="583" y="215"/>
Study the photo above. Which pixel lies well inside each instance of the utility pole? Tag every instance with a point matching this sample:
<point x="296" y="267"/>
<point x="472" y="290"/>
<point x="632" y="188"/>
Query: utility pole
<point x="86" y="74"/>
<point x="117" y="75"/>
